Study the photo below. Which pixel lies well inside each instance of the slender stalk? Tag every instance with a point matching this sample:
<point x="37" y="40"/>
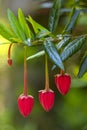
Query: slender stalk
<point x="62" y="72"/>
<point x="9" y="51"/>
<point x="25" y="72"/>
<point x="46" y="74"/>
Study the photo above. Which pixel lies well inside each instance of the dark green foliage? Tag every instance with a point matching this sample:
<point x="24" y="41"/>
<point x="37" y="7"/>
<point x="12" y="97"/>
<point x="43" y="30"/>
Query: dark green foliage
<point x="54" y="15"/>
<point x="59" y="45"/>
<point x="63" y="43"/>
<point x="83" y="66"/>
<point x="72" y="48"/>
<point x="72" y="21"/>
<point x="53" y="54"/>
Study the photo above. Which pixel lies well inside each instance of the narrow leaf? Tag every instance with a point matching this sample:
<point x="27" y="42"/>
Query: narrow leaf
<point x="5" y="32"/>
<point x="72" y="48"/>
<point x="36" y="26"/>
<point x="63" y="43"/>
<point x="54" y="15"/>
<point x="42" y="33"/>
<point x="16" y="26"/>
<point x="83" y="66"/>
<point x="23" y="23"/>
<point x="1" y="43"/>
<point x="16" y="40"/>
<point x="41" y="53"/>
<point x="72" y="20"/>
<point x="53" y="54"/>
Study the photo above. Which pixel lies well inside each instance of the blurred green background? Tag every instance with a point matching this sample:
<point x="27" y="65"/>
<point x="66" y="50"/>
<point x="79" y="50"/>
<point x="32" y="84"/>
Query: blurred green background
<point x="70" y="111"/>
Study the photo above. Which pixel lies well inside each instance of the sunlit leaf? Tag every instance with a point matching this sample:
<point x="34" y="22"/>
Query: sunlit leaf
<point x="83" y="66"/>
<point x="72" y="20"/>
<point x="16" y="40"/>
<point x="54" y="15"/>
<point x="36" y="26"/>
<point x="23" y="23"/>
<point x="42" y="33"/>
<point x="5" y="32"/>
<point x="72" y="47"/>
<point x="51" y="50"/>
<point x="15" y="25"/>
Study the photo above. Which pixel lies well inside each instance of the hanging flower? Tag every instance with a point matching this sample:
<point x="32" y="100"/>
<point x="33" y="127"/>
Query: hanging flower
<point x="25" y="104"/>
<point x="25" y="101"/>
<point x="46" y="99"/>
<point x="46" y="96"/>
<point x="63" y="82"/>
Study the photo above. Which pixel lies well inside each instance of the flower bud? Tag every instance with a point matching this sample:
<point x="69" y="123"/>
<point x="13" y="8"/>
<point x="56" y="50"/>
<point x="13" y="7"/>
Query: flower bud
<point x="46" y="98"/>
<point x="63" y="82"/>
<point x="9" y="55"/>
<point x="10" y="62"/>
<point x="25" y="104"/>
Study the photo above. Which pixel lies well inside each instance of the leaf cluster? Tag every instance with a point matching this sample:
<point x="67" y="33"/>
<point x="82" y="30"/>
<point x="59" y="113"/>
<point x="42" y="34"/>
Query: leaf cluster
<point x="58" y="47"/>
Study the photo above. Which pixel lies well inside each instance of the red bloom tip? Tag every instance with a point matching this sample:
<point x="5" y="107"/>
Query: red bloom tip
<point x="25" y="104"/>
<point x="63" y="83"/>
<point x="10" y="62"/>
<point x="46" y="99"/>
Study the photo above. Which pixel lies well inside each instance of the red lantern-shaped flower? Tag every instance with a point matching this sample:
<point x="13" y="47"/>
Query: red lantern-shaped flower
<point x="25" y="101"/>
<point x="46" y="98"/>
<point x="63" y="82"/>
<point x="25" y="104"/>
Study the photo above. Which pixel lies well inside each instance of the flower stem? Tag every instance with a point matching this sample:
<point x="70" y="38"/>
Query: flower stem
<point x="62" y="72"/>
<point x="46" y="74"/>
<point x="9" y="51"/>
<point x="25" y="92"/>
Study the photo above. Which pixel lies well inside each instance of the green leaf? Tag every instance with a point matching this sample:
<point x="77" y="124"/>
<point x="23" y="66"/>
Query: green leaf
<point x="36" y="26"/>
<point x="16" y="40"/>
<point x="5" y="32"/>
<point x="72" y="43"/>
<point x="63" y="43"/>
<point x="72" y="20"/>
<point x="42" y="33"/>
<point x="83" y="66"/>
<point x="59" y="46"/>
<point x="72" y="47"/>
<point x="54" y="15"/>
<point x="51" y="50"/>
<point x="37" y="55"/>
<point x="1" y="43"/>
<point x="16" y="26"/>
<point x="23" y="23"/>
